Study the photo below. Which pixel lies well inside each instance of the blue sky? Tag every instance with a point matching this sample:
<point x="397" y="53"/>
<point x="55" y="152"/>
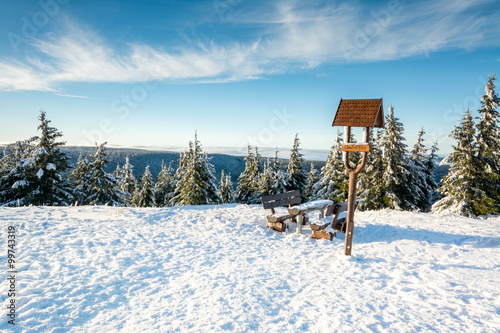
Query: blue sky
<point x="150" y="73"/>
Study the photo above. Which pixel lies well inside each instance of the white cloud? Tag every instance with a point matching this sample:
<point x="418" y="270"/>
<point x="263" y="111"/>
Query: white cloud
<point x="71" y="96"/>
<point x="290" y="38"/>
<point x="387" y="31"/>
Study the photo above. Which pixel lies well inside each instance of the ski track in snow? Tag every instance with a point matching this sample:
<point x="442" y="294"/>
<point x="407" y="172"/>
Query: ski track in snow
<point x="218" y="268"/>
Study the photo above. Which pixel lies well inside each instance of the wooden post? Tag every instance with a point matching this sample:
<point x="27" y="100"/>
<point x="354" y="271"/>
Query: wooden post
<point x="353" y="180"/>
<point x="299" y="224"/>
<point x="366" y="113"/>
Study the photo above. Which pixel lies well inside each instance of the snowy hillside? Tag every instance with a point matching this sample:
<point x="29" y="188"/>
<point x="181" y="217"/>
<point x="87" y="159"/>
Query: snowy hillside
<point x="218" y="268"/>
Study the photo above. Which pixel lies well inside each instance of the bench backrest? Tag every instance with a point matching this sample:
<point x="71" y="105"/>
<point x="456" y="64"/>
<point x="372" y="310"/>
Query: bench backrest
<point x="338" y="208"/>
<point x="280" y="200"/>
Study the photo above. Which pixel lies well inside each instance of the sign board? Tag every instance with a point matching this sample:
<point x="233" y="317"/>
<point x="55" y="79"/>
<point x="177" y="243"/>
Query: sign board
<point x="356" y="147"/>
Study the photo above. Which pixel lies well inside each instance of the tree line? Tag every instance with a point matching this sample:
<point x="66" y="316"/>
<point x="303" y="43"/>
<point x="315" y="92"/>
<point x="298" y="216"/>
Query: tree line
<point x="35" y="172"/>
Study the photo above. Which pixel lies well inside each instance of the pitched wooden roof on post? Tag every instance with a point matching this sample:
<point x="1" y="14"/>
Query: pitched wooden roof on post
<point x="360" y="113"/>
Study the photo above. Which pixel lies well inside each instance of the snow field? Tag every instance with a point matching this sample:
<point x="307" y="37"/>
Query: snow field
<point x="218" y="268"/>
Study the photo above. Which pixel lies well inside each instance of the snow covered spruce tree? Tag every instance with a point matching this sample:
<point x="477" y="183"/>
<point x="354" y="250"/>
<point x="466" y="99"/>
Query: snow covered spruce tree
<point x="311" y="180"/>
<point x="197" y="185"/>
<point x="297" y="176"/>
<point x="334" y="180"/>
<point x="144" y="195"/>
<point x="226" y="188"/>
<point x="39" y="176"/>
<point x="127" y="181"/>
<point x="118" y="173"/>
<point x="13" y="185"/>
<point x="247" y="191"/>
<point x="279" y="176"/>
<point x="421" y="190"/>
<point x="165" y="186"/>
<point x="103" y="187"/>
<point x="371" y="183"/>
<point x="256" y="156"/>
<point x="265" y="182"/>
<point x="488" y="141"/>
<point x="182" y="166"/>
<point x="430" y="167"/>
<point x="80" y="180"/>
<point x="398" y="193"/>
<point x="461" y="187"/>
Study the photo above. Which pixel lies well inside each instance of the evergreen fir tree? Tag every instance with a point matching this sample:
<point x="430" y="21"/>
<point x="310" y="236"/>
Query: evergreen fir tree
<point x="197" y="185"/>
<point x="52" y="164"/>
<point x="265" y="183"/>
<point x="334" y="180"/>
<point x="371" y="191"/>
<point x="488" y="141"/>
<point x="144" y="194"/>
<point x="226" y="188"/>
<point x="256" y="156"/>
<point x="182" y="169"/>
<point x="430" y="167"/>
<point x="296" y="170"/>
<point x="38" y="179"/>
<point x="420" y="191"/>
<point x="247" y="191"/>
<point x="165" y="186"/>
<point x="311" y="180"/>
<point x="14" y="187"/>
<point x="118" y="173"/>
<point x="127" y="181"/>
<point x="80" y="179"/>
<point x="398" y="193"/>
<point x="279" y="177"/>
<point x="461" y="187"/>
<point x="104" y="189"/>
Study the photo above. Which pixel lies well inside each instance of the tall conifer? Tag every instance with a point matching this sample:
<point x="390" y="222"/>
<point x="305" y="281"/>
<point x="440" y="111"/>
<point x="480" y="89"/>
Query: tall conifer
<point x="397" y="193"/>
<point x="165" y="185"/>
<point x="488" y="141"/>
<point x="226" y="191"/>
<point x="39" y="177"/>
<point x="247" y="190"/>
<point x="461" y="187"/>
<point x="333" y="183"/>
<point x="197" y="185"/>
<point x="295" y="170"/>
<point x="144" y="193"/>
<point x="371" y="190"/>
<point x="104" y="189"/>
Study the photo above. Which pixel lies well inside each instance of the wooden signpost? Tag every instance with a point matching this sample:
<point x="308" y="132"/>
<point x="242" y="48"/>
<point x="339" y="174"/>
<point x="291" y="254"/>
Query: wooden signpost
<point x="366" y="113"/>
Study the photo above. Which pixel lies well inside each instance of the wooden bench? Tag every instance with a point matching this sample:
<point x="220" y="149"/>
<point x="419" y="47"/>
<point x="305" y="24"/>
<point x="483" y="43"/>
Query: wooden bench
<point x="324" y="228"/>
<point x="302" y="210"/>
<point x="274" y="221"/>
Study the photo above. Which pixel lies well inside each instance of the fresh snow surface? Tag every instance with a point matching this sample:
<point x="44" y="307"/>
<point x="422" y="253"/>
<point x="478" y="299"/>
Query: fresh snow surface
<point x="312" y="204"/>
<point x="218" y="268"/>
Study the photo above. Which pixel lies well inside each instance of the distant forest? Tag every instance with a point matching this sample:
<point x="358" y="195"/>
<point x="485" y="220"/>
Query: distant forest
<point x="235" y="165"/>
<point x="140" y="158"/>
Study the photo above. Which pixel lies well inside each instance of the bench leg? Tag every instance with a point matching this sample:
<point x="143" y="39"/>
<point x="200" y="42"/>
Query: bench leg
<point x="299" y="224"/>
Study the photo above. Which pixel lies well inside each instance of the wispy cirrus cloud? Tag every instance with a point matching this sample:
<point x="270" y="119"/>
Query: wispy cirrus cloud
<point x="290" y="37"/>
<point x="70" y="96"/>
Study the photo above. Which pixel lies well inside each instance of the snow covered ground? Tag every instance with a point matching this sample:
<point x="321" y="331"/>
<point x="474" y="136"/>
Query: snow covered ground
<point x="218" y="268"/>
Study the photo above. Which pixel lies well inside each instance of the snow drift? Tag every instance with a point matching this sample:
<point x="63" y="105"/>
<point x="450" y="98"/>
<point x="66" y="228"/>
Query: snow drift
<point x="218" y="268"/>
